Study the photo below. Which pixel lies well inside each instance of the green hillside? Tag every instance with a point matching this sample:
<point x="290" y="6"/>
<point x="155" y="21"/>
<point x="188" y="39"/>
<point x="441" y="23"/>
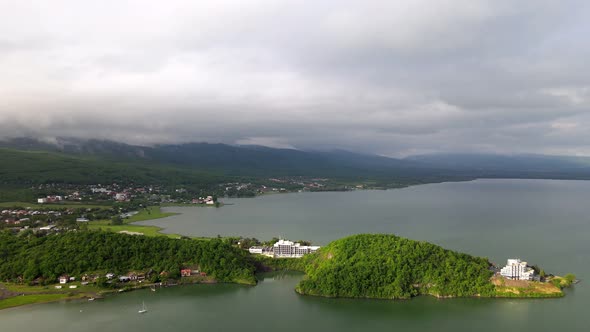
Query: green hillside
<point x="75" y="253"/>
<point x="36" y="167"/>
<point x="391" y="267"/>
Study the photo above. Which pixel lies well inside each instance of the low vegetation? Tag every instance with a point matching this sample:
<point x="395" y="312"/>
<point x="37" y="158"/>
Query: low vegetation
<point x="126" y="224"/>
<point x="36" y="298"/>
<point x="524" y="288"/>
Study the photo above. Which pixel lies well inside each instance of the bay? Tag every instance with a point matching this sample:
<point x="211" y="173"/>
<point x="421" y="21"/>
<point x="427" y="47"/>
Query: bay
<point x="545" y="222"/>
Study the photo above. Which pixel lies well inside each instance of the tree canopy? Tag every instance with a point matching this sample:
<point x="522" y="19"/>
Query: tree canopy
<point x="74" y="253"/>
<point x="388" y="266"/>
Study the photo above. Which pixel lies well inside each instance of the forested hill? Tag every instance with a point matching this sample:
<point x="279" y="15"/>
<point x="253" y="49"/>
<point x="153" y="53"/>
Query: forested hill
<point x="75" y="253"/>
<point x="391" y="267"/>
<point x="232" y="160"/>
<point x="34" y="167"/>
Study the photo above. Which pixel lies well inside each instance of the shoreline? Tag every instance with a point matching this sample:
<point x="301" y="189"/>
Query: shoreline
<point x="521" y="295"/>
<point x="50" y="296"/>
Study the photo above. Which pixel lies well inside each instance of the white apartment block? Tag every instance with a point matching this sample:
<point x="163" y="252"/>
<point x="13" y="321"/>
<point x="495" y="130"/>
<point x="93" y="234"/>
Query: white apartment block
<point x="285" y="248"/>
<point x="517" y="269"/>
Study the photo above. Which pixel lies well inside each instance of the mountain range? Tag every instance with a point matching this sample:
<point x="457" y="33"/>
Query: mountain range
<point x="100" y="157"/>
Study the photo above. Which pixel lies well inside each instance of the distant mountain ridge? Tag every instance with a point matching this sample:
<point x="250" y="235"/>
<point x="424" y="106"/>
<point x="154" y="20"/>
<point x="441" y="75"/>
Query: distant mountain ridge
<point x="252" y="160"/>
<point x="231" y="159"/>
<point x="498" y="162"/>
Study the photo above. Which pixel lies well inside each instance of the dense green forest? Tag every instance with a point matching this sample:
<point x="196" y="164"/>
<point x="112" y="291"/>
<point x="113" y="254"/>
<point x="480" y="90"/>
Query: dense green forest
<point x="388" y="266"/>
<point x="74" y="253"/>
<point x="205" y="164"/>
<point x="37" y="167"/>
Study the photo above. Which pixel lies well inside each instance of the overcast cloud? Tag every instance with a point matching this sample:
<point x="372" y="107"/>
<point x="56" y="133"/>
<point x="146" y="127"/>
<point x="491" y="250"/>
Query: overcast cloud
<point x="389" y="77"/>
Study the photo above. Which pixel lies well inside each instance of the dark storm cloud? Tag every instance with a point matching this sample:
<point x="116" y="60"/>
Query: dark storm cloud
<point x="390" y="77"/>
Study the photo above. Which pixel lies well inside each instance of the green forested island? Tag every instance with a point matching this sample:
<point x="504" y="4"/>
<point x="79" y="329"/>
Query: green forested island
<point x="391" y="267"/>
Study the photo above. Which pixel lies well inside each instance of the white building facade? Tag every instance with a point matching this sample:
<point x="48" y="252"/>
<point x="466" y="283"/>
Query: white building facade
<point x="518" y="270"/>
<point x="255" y="250"/>
<point x="285" y="248"/>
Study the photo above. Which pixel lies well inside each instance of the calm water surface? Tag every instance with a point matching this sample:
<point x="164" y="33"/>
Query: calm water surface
<point x="544" y="222"/>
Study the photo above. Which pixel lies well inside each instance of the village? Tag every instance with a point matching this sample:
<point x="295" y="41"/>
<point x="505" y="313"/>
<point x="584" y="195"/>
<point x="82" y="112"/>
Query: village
<point x="143" y="279"/>
<point x="130" y="280"/>
<point x="64" y="205"/>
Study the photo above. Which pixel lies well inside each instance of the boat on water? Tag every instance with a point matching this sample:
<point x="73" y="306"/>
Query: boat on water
<point x="153" y="289"/>
<point x="91" y="299"/>
<point x="143" y="309"/>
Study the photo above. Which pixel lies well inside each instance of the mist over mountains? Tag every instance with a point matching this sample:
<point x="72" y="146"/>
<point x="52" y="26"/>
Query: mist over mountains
<point x="253" y="160"/>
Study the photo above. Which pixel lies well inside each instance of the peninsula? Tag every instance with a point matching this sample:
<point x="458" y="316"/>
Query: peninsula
<point x="391" y="267"/>
<point x="40" y="267"/>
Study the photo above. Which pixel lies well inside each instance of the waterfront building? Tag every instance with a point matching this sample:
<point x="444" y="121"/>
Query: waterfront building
<point x="285" y="248"/>
<point x="255" y="250"/>
<point x="518" y="270"/>
<point x="265" y="251"/>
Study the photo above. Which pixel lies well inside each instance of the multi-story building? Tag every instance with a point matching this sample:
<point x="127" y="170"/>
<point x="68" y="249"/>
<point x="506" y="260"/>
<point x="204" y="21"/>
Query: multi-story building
<point x="517" y="269"/>
<point x="266" y="251"/>
<point x="285" y="248"/>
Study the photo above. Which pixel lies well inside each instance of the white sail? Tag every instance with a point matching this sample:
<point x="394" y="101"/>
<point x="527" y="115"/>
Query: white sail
<point x="143" y="308"/>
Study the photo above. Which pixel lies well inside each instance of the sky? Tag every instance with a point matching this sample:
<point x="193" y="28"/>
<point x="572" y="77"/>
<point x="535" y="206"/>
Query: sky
<point x="394" y="78"/>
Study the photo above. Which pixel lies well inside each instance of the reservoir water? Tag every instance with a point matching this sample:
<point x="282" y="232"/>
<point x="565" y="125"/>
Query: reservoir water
<point x="545" y="222"/>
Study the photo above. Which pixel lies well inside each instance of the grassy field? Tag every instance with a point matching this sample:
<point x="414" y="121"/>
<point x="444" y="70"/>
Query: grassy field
<point x="524" y="288"/>
<point x="189" y="204"/>
<point x="152" y="212"/>
<point x="18" y="288"/>
<point x="36" y="298"/>
<point x="145" y="230"/>
<point x="42" y="294"/>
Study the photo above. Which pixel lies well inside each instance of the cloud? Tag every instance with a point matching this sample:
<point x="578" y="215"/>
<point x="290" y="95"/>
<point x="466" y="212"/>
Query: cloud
<point x="392" y="78"/>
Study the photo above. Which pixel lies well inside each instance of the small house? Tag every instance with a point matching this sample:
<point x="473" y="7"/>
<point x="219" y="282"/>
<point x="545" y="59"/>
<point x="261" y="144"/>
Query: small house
<point x="64" y="279"/>
<point x="185" y="272"/>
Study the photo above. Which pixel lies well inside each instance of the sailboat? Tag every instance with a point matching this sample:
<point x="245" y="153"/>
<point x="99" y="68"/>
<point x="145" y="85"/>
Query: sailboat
<point x="143" y="309"/>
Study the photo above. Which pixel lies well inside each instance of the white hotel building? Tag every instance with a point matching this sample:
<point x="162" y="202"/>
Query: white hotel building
<point x="285" y="248"/>
<point x="518" y="270"/>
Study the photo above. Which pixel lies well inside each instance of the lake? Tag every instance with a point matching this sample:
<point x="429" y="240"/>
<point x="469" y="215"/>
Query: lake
<point x="545" y="222"/>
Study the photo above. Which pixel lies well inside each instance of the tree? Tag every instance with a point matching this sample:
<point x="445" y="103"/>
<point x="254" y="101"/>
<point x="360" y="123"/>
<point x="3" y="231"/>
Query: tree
<point x="116" y="220"/>
<point x="569" y="278"/>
